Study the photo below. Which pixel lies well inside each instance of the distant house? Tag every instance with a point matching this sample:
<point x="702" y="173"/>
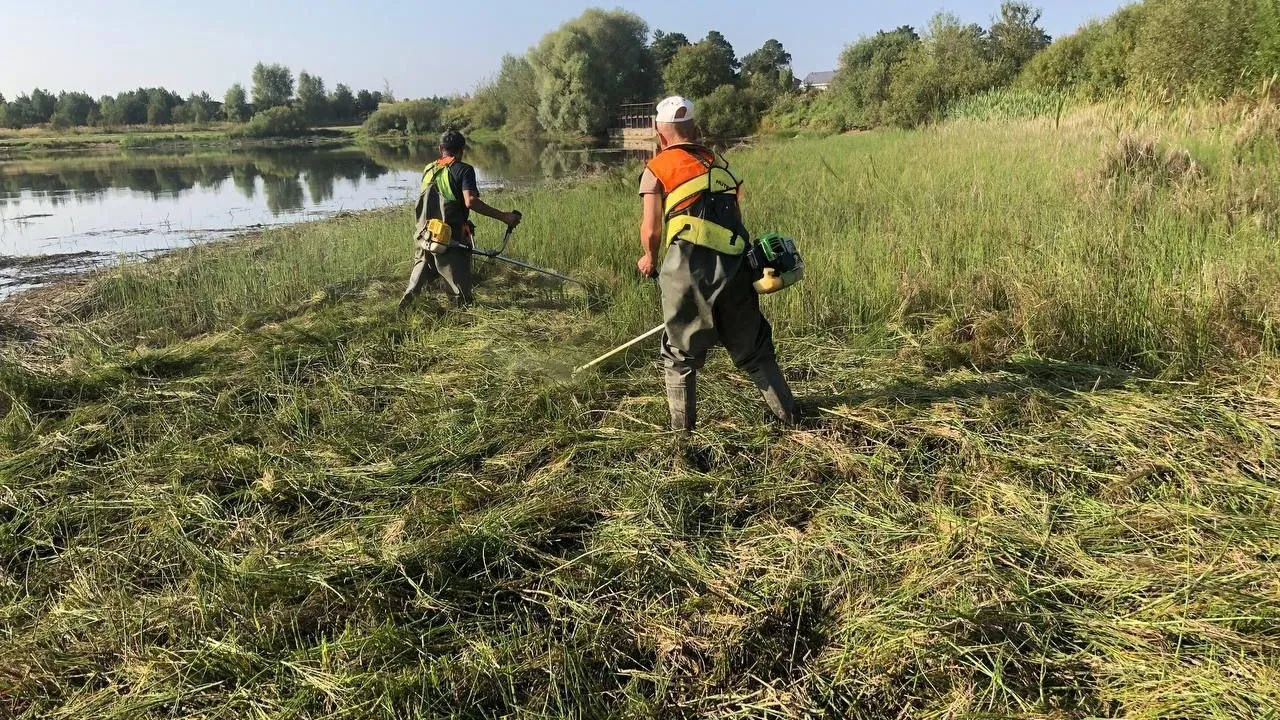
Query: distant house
<point x="819" y="80"/>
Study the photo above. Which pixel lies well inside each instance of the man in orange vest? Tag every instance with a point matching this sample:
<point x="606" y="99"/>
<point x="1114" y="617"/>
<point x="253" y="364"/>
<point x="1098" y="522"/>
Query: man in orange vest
<point x="691" y="205"/>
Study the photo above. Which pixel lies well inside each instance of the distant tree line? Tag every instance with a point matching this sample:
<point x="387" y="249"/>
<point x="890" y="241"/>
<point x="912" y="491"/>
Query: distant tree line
<point x="1181" y="48"/>
<point x="574" y="79"/>
<point x="1212" y="48"/>
<point x="306" y="102"/>
<point x="904" y="77"/>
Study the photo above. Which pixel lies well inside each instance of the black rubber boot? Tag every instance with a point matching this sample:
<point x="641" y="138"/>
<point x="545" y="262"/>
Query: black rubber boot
<point x="777" y="394"/>
<point x="682" y="399"/>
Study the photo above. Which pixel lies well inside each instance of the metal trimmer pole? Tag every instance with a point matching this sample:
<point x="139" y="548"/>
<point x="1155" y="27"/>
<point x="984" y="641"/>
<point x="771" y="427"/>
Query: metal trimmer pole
<point x="534" y="268"/>
<point x="620" y="349"/>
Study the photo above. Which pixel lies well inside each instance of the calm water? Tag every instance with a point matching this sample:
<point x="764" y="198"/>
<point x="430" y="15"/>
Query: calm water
<point x="70" y="213"/>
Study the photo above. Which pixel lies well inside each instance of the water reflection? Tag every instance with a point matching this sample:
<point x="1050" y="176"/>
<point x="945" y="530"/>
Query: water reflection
<point x="108" y="206"/>
<point x="65" y="179"/>
<point x="61" y="180"/>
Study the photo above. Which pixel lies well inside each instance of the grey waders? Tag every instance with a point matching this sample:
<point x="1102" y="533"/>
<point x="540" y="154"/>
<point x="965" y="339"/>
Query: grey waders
<point x="707" y="299"/>
<point x="453" y="265"/>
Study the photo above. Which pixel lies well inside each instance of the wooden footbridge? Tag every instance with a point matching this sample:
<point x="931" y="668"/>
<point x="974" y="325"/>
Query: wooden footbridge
<point x="633" y="124"/>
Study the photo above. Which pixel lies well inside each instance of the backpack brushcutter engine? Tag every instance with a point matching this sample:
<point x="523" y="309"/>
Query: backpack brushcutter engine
<point x="776" y="263"/>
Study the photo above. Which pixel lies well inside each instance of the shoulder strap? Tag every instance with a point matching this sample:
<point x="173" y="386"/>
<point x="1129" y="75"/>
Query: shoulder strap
<point x="698" y="152"/>
<point x="437" y="176"/>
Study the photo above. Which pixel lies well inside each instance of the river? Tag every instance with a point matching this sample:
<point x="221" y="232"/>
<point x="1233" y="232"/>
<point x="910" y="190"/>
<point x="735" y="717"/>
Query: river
<point x="65" y="214"/>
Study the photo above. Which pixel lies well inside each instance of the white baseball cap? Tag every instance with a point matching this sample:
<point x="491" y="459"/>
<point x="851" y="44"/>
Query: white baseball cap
<point x="675" y="109"/>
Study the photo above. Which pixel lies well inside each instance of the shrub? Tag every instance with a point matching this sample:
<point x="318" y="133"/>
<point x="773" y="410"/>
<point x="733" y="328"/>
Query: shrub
<point x="1010" y="104"/>
<point x="1206" y="44"/>
<point x="1062" y="64"/>
<point x="731" y="112"/>
<point x="1142" y="161"/>
<point x="415" y="117"/>
<point x="1259" y="136"/>
<point x="276" y="122"/>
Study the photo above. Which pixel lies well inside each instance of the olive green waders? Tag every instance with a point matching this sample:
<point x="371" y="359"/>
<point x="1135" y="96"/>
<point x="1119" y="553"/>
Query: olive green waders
<point x="453" y="266"/>
<point x="707" y="298"/>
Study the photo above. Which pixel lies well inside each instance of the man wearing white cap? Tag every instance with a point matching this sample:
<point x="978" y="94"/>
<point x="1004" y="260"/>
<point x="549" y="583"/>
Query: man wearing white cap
<point x="691" y="205"/>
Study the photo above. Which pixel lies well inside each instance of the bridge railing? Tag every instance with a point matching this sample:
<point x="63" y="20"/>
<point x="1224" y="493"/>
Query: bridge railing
<point x="634" y="116"/>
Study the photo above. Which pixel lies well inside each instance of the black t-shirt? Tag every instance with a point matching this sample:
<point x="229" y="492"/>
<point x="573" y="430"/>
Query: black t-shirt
<point x="462" y="177"/>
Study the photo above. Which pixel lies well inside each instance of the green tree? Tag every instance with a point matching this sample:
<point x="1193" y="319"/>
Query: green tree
<point x="133" y="106"/>
<point x="1062" y="64"/>
<point x="43" y="105"/>
<point x="414" y="117"/>
<point x="235" y="105"/>
<point x="731" y="112"/>
<point x="342" y="103"/>
<point x="1203" y="44"/>
<point x="18" y="112"/>
<point x="1016" y="38"/>
<point x="484" y="109"/>
<point x="665" y="46"/>
<point x="1108" y="56"/>
<point x="4" y="112"/>
<point x="73" y="109"/>
<point x="952" y="62"/>
<point x="272" y="86"/>
<point x="199" y="108"/>
<point x="312" y="98"/>
<point x="517" y="85"/>
<point x="697" y="70"/>
<point x="589" y="66"/>
<point x="367" y="102"/>
<point x="158" y="114"/>
<point x="110" y="112"/>
<point x="718" y="41"/>
<point x="770" y="60"/>
<point x="509" y="102"/>
<point x="1266" y="56"/>
<point x="866" y="71"/>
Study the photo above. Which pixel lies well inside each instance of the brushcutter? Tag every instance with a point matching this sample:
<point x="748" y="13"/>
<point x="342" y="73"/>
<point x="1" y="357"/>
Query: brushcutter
<point x="620" y="349"/>
<point x="497" y="255"/>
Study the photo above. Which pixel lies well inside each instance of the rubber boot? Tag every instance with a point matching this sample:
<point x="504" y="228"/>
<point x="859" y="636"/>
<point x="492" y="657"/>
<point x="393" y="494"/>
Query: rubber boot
<point x="682" y="399"/>
<point x="777" y="394"/>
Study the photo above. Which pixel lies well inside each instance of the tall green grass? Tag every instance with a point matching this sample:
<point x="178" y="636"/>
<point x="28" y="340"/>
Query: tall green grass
<point x="236" y="483"/>
<point x="1042" y="229"/>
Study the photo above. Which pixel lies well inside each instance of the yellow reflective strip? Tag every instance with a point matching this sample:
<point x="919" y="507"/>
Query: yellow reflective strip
<point x="705" y="233"/>
<point x="685" y="191"/>
<point x="721" y="180"/>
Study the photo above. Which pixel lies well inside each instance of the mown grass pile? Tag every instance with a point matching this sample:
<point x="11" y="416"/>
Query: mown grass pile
<point x="1039" y="478"/>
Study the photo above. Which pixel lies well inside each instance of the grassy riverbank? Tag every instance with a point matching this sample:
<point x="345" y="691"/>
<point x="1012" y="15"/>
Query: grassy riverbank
<point x="41" y="142"/>
<point x="1039" y="479"/>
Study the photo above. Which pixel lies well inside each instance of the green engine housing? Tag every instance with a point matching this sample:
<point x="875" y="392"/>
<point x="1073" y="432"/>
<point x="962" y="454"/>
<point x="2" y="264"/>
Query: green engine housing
<point x="776" y="263"/>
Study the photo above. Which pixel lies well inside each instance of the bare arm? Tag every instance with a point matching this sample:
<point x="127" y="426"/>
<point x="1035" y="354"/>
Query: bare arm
<point x="474" y="203"/>
<point x="650" y="234"/>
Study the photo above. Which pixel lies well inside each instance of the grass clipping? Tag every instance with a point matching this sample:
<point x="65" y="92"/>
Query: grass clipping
<point x="236" y="483"/>
<point x="346" y="514"/>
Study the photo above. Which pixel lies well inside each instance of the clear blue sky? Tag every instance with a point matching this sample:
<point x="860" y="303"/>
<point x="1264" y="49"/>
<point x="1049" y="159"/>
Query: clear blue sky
<point x="111" y="45"/>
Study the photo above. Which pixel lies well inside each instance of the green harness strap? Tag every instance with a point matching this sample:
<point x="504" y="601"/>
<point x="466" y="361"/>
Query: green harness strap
<point x="438" y="175"/>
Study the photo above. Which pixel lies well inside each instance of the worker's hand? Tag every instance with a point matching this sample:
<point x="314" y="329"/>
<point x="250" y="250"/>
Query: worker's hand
<point x="512" y="219"/>
<point x="648" y="265"/>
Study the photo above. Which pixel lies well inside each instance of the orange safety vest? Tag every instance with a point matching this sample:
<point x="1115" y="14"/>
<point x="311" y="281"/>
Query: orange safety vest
<point x="701" y="198"/>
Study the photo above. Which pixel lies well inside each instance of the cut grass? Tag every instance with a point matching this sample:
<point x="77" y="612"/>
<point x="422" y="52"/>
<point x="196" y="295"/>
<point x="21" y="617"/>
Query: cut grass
<point x="1036" y="481"/>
